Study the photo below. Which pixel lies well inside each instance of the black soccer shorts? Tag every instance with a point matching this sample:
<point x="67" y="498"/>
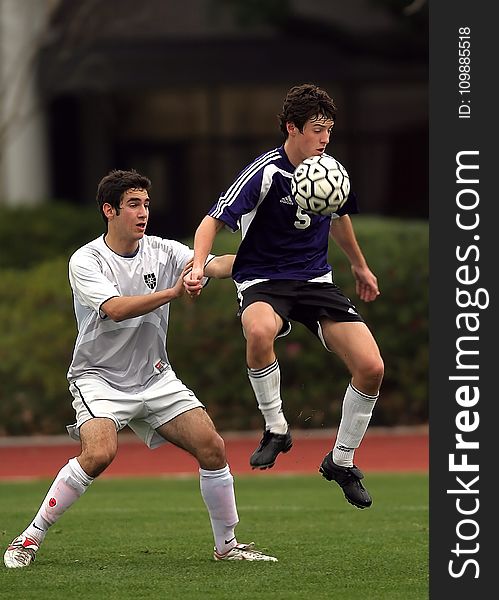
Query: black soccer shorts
<point x="302" y="301"/>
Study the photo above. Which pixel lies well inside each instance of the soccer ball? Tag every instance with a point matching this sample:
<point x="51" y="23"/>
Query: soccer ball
<point x="320" y="184"/>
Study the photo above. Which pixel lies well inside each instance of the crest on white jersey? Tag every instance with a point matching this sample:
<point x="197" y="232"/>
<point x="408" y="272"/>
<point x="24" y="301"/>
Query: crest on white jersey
<point x="150" y="280"/>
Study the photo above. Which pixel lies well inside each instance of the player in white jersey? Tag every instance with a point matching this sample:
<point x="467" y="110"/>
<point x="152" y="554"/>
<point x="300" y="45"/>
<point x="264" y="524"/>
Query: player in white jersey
<point x="282" y="274"/>
<point x="120" y="375"/>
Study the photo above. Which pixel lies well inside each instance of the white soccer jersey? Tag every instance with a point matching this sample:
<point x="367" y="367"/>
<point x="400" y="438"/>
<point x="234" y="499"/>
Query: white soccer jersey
<point x="131" y="354"/>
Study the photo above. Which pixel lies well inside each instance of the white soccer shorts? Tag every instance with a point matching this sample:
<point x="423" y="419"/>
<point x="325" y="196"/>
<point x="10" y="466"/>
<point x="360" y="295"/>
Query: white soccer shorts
<point x="143" y="411"/>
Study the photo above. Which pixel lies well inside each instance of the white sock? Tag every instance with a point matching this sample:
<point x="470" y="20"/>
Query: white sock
<point x="266" y="384"/>
<point x="355" y="416"/>
<point x="67" y="487"/>
<point x="217" y="490"/>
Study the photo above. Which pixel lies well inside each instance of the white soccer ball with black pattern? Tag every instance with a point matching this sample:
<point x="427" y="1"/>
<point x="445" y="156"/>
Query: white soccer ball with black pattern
<point x="320" y="185"/>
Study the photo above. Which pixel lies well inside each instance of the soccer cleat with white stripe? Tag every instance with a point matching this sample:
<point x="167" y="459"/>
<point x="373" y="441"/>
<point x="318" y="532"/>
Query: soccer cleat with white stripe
<point x="21" y="552"/>
<point x="243" y="552"/>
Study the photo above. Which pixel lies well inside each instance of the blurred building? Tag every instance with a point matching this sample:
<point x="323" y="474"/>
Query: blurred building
<point x="188" y="92"/>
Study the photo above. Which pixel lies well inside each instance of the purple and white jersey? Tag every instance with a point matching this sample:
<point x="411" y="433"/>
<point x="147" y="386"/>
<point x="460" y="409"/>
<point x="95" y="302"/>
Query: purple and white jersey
<point x="279" y="239"/>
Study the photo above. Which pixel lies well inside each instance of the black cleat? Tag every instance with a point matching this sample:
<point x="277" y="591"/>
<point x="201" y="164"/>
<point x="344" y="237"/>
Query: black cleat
<point x="348" y="478"/>
<point x="270" y="446"/>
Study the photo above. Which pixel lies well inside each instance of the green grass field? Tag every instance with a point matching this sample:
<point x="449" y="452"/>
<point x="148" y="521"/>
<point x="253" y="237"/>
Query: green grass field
<point x="151" y="538"/>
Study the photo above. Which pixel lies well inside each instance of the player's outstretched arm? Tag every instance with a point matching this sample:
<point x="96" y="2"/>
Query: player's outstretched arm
<point x="220" y="267"/>
<point x="203" y="243"/>
<point x="120" y="308"/>
<point x="366" y="283"/>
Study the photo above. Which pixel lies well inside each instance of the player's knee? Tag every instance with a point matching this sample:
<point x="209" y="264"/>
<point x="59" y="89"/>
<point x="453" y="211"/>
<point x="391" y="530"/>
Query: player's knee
<point x="260" y="333"/>
<point x="368" y="374"/>
<point x="96" y="460"/>
<point x="212" y="454"/>
<point x="374" y="371"/>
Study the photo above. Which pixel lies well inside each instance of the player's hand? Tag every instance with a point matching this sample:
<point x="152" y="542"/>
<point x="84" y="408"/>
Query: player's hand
<point x="193" y="281"/>
<point x="366" y="283"/>
<point x="178" y="289"/>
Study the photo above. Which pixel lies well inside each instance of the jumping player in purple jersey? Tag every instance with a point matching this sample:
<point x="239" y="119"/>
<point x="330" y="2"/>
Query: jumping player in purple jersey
<point x="282" y="275"/>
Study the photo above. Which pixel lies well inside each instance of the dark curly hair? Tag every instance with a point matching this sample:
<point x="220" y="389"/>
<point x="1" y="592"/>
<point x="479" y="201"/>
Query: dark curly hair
<point x="304" y="102"/>
<point x="112" y="187"/>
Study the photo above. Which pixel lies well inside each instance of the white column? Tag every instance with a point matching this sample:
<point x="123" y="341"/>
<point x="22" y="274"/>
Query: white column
<point x="24" y="177"/>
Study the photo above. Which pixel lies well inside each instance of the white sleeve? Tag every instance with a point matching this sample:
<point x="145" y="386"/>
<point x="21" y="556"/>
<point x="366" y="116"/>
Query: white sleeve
<point x="90" y="286"/>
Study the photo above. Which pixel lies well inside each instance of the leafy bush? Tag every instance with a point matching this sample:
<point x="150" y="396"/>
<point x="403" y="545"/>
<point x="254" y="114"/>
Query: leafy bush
<point x="38" y="331"/>
<point x="205" y="342"/>
<point x="31" y="235"/>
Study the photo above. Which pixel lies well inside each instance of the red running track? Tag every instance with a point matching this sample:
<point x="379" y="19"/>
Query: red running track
<point x="382" y="450"/>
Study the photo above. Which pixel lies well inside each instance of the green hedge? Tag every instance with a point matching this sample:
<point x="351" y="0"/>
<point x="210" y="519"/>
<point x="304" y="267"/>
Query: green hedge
<point x="32" y="235"/>
<point x="205" y="342"/>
